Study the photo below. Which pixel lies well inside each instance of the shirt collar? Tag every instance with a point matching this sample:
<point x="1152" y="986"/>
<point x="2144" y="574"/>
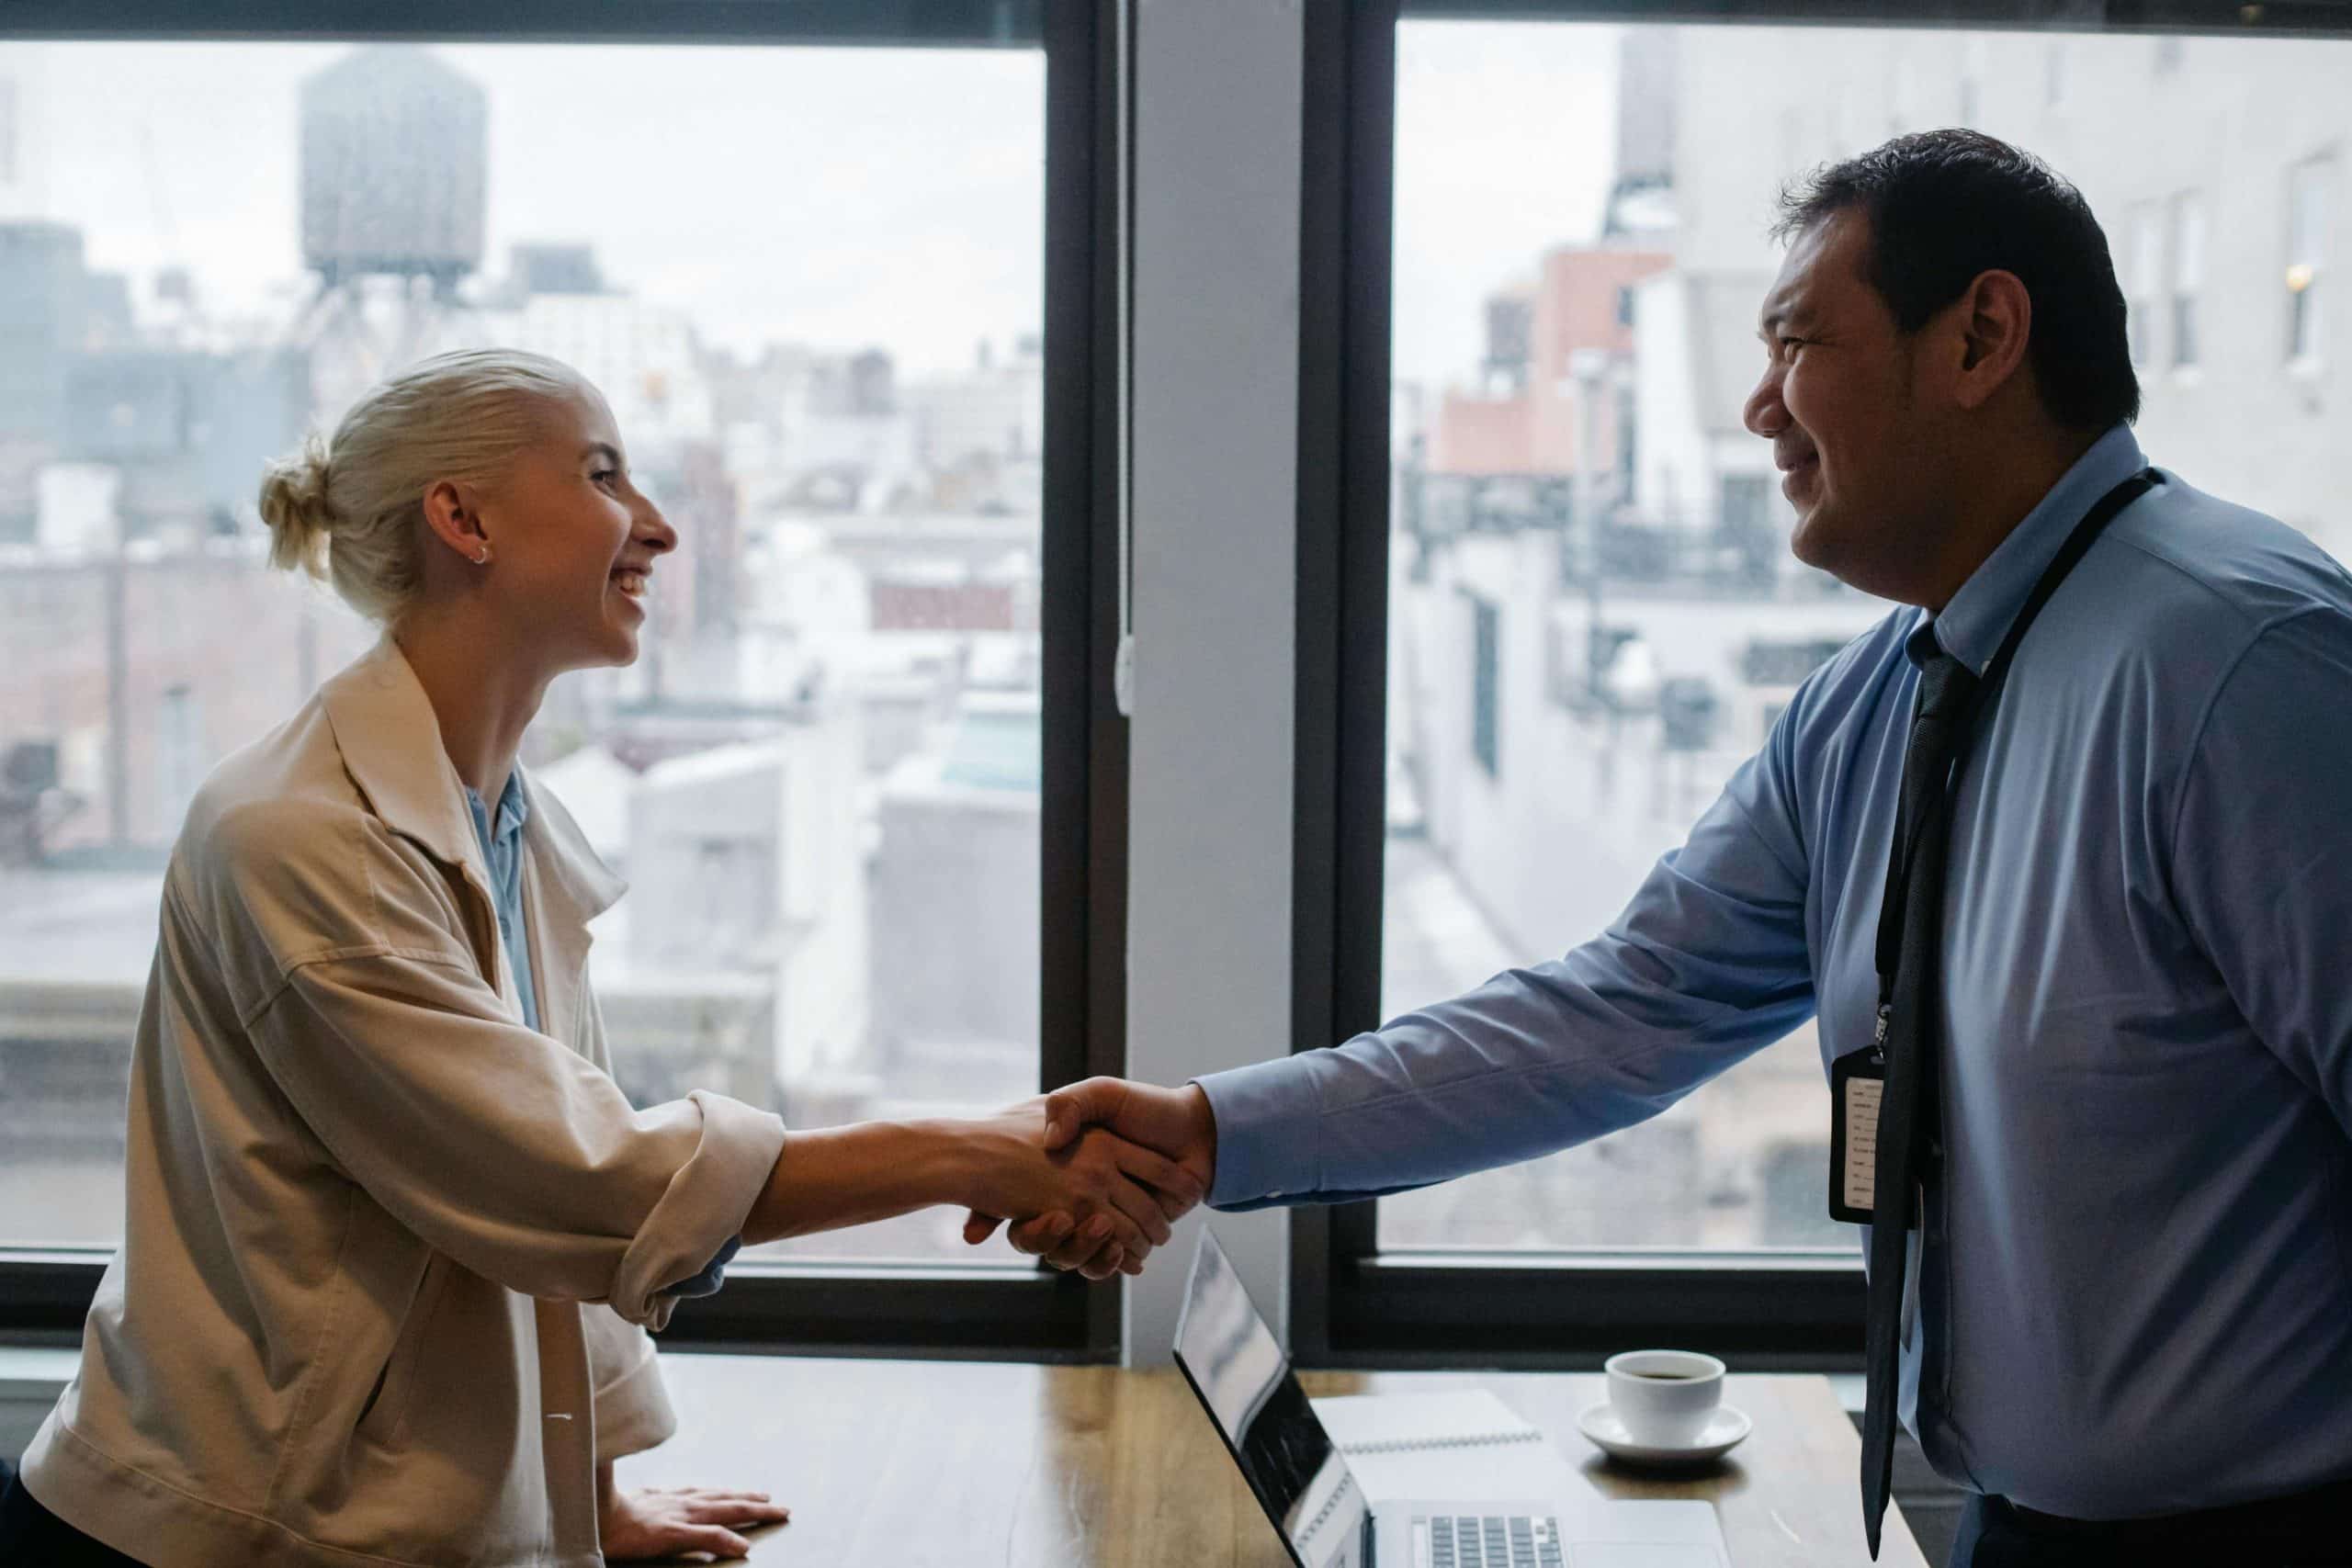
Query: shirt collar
<point x="513" y="808"/>
<point x="1979" y="615"/>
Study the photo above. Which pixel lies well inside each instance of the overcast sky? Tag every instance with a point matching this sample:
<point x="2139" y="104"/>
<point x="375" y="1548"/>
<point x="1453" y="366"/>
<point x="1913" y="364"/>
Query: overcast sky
<point x="837" y="198"/>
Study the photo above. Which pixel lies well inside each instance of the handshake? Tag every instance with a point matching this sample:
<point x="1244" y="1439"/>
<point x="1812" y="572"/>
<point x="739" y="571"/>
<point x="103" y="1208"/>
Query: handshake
<point x="1133" y="1156"/>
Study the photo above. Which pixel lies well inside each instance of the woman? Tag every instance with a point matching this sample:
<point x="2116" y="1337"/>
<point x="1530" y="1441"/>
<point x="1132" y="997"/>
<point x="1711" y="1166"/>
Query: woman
<point x="394" y="1237"/>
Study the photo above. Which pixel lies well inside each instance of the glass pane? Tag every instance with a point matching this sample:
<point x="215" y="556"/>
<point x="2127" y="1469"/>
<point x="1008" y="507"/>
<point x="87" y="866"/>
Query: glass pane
<point x="2188" y="275"/>
<point x="808" y="281"/>
<point x="2306" y="255"/>
<point x="1594" y="617"/>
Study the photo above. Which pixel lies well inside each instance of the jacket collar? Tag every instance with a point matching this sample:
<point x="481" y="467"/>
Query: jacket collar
<point x="579" y="873"/>
<point x="390" y="741"/>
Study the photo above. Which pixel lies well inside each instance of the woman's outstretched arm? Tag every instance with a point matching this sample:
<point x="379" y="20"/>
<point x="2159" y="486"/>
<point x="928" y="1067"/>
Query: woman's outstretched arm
<point x="830" y="1177"/>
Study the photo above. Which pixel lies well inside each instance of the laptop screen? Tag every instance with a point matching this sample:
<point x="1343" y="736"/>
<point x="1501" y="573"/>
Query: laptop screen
<point x="1231" y="1357"/>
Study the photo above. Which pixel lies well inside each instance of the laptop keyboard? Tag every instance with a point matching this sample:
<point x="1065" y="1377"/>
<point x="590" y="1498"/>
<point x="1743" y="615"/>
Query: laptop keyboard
<point x="1495" y="1541"/>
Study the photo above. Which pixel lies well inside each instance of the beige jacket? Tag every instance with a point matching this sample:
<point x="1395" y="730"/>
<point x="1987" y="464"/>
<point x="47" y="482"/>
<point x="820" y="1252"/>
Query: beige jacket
<point x="389" y="1256"/>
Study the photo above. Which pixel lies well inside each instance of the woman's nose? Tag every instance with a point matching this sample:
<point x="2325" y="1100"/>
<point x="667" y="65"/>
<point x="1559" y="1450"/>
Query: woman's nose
<point x="655" y="530"/>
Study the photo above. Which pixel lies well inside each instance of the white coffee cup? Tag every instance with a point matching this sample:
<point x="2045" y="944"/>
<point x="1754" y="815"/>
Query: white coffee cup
<point x="1664" y="1397"/>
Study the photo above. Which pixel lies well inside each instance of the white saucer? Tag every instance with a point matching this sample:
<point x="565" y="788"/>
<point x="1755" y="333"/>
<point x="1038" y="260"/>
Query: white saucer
<point x="1722" y="1434"/>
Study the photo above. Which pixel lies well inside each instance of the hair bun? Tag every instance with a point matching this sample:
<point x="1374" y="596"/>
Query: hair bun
<point x="294" y="505"/>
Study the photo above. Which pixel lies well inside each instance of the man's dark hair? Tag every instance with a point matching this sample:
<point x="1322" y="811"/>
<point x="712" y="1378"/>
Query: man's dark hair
<point x="1946" y="206"/>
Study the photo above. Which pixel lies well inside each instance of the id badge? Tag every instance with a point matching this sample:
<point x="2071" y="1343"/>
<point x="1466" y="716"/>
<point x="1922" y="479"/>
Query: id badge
<point x="1857" y="1082"/>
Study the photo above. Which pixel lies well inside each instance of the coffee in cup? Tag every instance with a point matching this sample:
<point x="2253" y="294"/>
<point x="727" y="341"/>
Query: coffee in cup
<point x="1664" y="1397"/>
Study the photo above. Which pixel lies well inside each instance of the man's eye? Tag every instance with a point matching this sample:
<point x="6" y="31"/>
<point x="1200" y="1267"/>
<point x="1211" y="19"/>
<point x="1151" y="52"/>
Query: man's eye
<point x="1791" y="344"/>
<point x="606" y="475"/>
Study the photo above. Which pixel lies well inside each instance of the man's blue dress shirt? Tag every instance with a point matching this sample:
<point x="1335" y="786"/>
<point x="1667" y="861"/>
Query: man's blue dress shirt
<point x="2136" y="1296"/>
<point x="502" y="852"/>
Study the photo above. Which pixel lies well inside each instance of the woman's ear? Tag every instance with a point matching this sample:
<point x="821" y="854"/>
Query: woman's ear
<point x="449" y="512"/>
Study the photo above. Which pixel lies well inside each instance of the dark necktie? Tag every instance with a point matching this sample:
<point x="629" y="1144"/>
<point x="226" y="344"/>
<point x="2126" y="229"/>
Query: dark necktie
<point x="1907" y="1116"/>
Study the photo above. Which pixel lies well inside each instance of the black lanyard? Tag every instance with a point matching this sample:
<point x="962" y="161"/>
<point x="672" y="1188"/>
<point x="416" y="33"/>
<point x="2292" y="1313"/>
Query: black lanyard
<point x="1988" y="692"/>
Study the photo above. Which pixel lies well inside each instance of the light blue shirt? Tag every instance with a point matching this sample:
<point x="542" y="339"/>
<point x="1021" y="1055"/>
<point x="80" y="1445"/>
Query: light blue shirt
<point x="2136" y="1296"/>
<point x="502" y="851"/>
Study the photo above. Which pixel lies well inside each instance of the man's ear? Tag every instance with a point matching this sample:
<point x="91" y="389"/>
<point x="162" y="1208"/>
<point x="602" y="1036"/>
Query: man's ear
<point x="1996" y="321"/>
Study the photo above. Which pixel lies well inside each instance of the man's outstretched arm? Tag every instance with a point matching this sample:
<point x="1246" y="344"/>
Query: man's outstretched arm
<point x="1538" y="1059"/>
<point x="1708" y="963"/>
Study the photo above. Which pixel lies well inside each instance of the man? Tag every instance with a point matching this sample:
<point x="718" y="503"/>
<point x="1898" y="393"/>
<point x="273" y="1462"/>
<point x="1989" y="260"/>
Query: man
<point x="2119" y="1050"/>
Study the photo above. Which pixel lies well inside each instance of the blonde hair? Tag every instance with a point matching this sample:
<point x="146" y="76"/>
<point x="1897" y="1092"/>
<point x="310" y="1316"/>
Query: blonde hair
<point x="350" y="509"/>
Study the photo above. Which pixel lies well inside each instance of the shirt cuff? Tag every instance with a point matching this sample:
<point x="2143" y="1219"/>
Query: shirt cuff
<point x="1268" y="1126"/>
<point x="712" y="1273"/>
<point x="705" y="1203"/>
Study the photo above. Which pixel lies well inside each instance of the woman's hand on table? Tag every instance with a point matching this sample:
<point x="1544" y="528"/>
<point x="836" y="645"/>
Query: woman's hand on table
<point x="665" y="1521"/>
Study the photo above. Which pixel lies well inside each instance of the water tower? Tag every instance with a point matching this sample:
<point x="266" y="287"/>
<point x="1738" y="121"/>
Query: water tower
<point x="395" y="155"/>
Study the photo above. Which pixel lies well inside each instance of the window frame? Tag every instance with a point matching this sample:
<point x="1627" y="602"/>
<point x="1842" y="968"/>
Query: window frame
<point x="860" y="1307"/>
<point x="1350" y="1304"/>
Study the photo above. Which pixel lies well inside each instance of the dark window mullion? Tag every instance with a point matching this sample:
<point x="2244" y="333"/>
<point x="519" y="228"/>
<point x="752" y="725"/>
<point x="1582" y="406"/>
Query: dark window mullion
<point x="885" y="23"/>
<point x="1346" y="104"/>
<point x="2317" y="17"/>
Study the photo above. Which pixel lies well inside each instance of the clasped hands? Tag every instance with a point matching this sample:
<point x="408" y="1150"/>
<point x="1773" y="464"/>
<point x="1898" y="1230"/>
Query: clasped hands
<point x="1150" y="1156"/>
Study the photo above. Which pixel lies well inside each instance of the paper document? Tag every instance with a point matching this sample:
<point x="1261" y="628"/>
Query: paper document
<point x="1450" y="1445"/>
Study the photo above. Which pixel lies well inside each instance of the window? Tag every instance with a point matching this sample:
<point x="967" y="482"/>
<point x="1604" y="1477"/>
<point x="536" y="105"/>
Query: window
<point x="2144" y="279"/>
<point x="1677" y="625"/>
<point x="815" y="285"/>
<point x="2188" y="275"/>
<point x="179" y="747"/>
<point x="2307" y="201"/>
<point x="1748" y="532"/>
<point x="1972" y="82"/>
<point x="1485" y="632"/>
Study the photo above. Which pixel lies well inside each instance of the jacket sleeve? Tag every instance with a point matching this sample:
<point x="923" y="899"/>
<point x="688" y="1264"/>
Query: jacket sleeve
<point x="508" y="1150"/>
<point x="712" y="1276"/>
<point x="1707" y="965"/>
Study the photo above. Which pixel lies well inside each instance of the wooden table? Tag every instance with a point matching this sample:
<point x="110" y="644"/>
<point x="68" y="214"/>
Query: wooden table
<point x="909" y="1465"/>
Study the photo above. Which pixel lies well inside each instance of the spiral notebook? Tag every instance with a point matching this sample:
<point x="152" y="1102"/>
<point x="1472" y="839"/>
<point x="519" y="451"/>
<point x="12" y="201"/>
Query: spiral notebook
<point x="1459" y="1444"/>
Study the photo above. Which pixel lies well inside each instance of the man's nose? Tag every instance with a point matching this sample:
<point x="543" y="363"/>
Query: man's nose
<point x="1765" y="414"/>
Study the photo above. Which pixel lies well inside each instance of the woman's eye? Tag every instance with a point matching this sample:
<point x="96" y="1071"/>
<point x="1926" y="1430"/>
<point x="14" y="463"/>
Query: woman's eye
<point x="606" y="475"/>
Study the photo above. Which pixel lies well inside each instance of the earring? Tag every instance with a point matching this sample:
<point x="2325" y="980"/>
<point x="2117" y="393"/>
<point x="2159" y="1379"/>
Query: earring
<point x="481" y="556"/>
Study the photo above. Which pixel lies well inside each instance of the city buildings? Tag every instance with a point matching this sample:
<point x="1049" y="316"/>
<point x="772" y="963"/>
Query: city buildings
<point x="815" y="778"/>
<point x="821" y="779"/>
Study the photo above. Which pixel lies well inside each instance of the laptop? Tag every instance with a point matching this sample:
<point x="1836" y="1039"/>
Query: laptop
<point x="1299" y="1476"/>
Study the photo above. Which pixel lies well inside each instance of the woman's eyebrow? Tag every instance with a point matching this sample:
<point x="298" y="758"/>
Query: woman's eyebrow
<point x="611" y="455"/>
